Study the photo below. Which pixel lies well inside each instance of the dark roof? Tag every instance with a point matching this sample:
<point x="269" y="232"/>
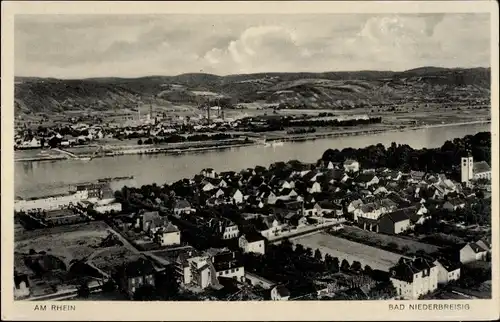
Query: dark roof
<point x="140" y="267"/>
<point x="406" y="268"/>
<point x="480" y="167"/>
<point x="282" y="291"/>
<point x="171" y="228"/>
<point x="365" y="177"/>
<point x="253" y="237"/>
<point x="19" y="278"/>
<point x="449" y="265"/>
<point x="400" y="215"/>
<point x="476" y="248"/>
<point x="328" y="205"/>
<point x="180" y="204"/>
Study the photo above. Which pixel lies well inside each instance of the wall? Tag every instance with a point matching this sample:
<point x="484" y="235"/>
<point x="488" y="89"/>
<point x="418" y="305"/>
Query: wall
<point x="50" y="203"/>
<point x="171" y="238"/>
<point x="238" y="272"/>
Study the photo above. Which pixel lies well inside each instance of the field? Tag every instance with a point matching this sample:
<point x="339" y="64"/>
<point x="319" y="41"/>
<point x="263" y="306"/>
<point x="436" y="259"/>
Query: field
<point x="350" y="251"/>
<point x="369" y="237"/>
<point x="108" y="258"/>
<point x="66" y="242"/>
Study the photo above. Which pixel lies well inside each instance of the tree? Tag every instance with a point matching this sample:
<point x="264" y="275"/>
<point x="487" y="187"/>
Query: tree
<point x="368" y="270"/>
<point x="356" y="266"/>
<point x="146" y="292"/>
<point x="318" y="256"/>
<point x="345" y="265"/>
<point x="335" y="265"/>
<point x="139" y="142"/>
<point x="405" y="249"/>
<point x="83" y="290"/>
<point x="299" y="249"/>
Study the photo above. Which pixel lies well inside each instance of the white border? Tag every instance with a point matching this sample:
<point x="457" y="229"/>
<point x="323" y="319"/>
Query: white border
<point x="173" y="311"/>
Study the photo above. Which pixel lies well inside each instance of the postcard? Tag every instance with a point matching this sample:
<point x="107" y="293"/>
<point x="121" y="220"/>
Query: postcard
<point x="230" y="161"/>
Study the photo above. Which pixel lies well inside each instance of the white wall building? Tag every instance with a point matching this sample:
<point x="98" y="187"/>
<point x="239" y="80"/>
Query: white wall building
<point x="414" y="278"/>
<point x="252" y="244"/>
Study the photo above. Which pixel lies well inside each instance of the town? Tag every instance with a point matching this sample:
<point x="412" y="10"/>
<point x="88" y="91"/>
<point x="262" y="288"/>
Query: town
<point x="359" y="224"/>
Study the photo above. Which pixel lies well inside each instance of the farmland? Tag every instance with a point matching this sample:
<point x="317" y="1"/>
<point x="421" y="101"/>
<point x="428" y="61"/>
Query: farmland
<point x="349" y="250"/>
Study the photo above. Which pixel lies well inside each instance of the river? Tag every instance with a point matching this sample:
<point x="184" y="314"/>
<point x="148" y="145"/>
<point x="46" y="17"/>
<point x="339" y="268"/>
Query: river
<point x="34" y="179"/>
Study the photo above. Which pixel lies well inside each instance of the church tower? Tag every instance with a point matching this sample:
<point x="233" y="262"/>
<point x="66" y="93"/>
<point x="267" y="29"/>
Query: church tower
<point x="467" y="166"/>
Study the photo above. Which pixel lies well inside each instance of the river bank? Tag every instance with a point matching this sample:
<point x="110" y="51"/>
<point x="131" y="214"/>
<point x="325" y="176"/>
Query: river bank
<point x="228" y="144"/>
<point x="33" y="179"/>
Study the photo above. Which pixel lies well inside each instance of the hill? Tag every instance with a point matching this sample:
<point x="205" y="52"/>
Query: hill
<point x="339" y="90"/>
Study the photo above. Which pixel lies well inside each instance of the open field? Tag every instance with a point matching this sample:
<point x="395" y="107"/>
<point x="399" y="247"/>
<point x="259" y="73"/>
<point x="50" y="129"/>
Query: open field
<point x="65" y="242"/>
<point x="370" y="237"/>
<point x="108" y="258"/>
<point x="350" y="251"/>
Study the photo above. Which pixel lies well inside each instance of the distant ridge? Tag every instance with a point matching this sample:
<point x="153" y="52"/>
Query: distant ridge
<point x="313" y="90"/>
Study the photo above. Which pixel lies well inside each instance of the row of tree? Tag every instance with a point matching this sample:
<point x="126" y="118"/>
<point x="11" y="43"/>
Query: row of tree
<point x="403" y="157"/>
<point x="191" y="138"/>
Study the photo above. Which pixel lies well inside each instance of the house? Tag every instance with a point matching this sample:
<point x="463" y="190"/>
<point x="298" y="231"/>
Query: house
<point x="270" y="227"/>
<point x="21" y="286"/>
<point x="224" y="228"/>
<point x="183" y="206"/>
<point x="366" y="179"/>
<point x="370" y="210"/>
<point x="351" y="166"/>
<point x="394" y="223"/>
<point x="196" y="270"/>
<point x="256" y="280"/>
<point x="326" y="207"/>
<point x="252" y="243"/>
<point x="481" y="170"/>
<point x="472" y="252"/>
<point x="314" y="187"/>
<point x="394" y="175"/>
<point x="416" y="176"/>
<point x="454" y="204"/>
<point x="136" y="274"/>
<point x="228" y="264"/>
<point x="447" y="270"/>
<point x="208" y="186"/>
<point x="414" y="278"/>
<point x="287" y="194"/>
<point x="269" y="197"/>
<point x="209" y="173"/>
<point x="236" y="196"/>
<point x="353" y="205"/>
<point x="280" y="293"/>
<point x="168" y="236"/>
<point x="151" y="221"/>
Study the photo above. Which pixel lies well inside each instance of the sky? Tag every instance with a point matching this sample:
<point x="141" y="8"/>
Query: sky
<point x="80" y="46"/>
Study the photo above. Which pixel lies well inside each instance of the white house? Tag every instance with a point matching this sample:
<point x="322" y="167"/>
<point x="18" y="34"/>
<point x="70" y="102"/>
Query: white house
<point x="21" y="286"/>
<point x="237" y="197"/>
<point x="314" y="188"/>
<point x="351" y="166"/>
<point x="414" y="278"/>
<point x="252" y="244"/>
<point x="447" y="271"/>
<point x="168" y="236"/>
<point x="209" y="173"/>
<point x="472" y="252"/>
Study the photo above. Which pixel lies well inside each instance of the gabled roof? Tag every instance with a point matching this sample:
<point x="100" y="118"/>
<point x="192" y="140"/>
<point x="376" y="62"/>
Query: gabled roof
<point x="171" y="228"/>
<point x="448" y="265"/>
<point x="253" y="237"/>
<point x="481" y="167"/>
<point x="406" y="268"/>
<point x="476" y="248"/>
<point x="182" y="203"/>
<point x="140" y="267"/>
<point x="399" y="215"/>
<point x="365" y="177"/>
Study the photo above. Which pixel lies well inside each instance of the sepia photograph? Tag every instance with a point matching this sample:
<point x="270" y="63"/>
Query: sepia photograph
<point x="264" y="156"/>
